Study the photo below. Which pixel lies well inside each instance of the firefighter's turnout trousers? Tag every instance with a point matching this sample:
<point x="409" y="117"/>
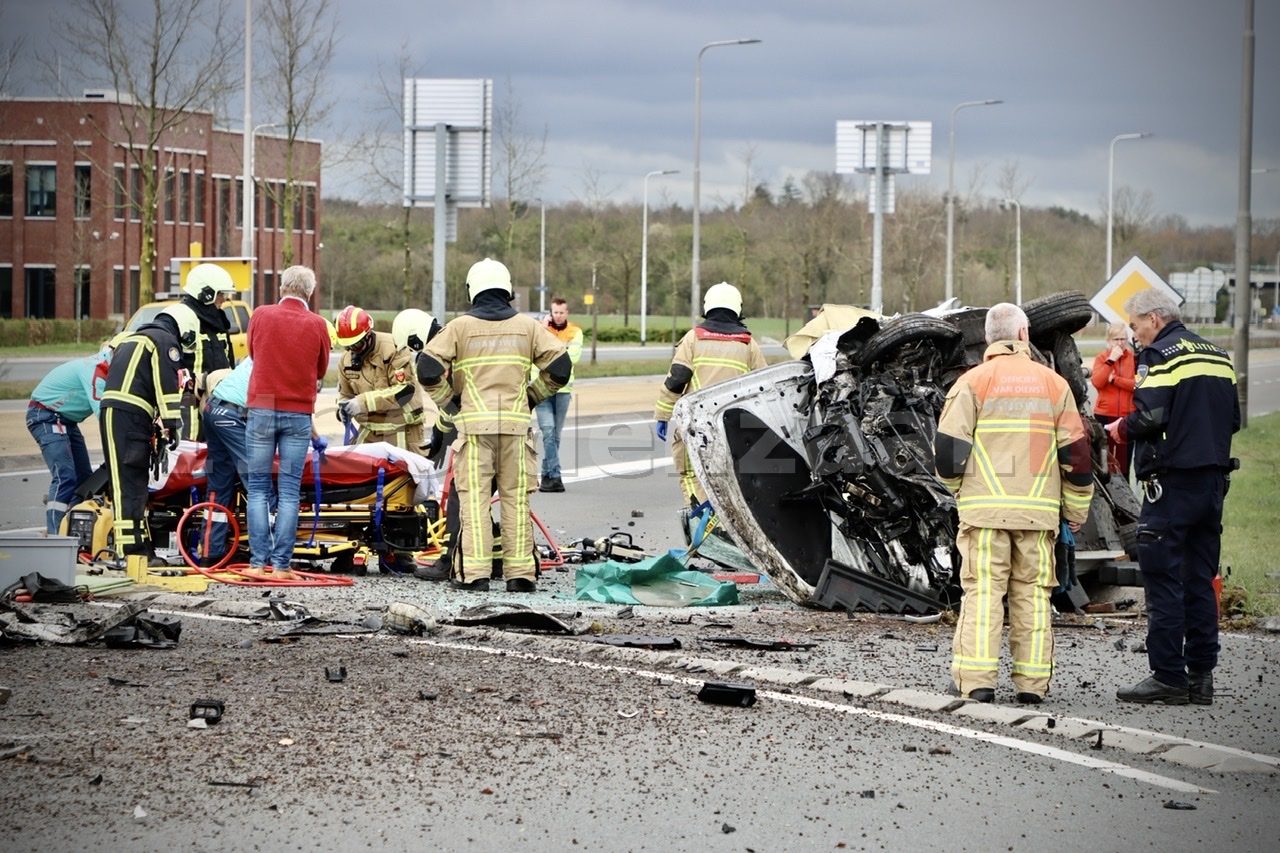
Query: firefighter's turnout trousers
<point x="126" y="443"/>
<point x="992" y="561"/>
<point x="478" y="462"/>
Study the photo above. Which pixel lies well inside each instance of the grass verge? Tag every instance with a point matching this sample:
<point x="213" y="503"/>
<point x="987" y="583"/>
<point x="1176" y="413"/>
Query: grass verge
<point x="1250" y="518"/>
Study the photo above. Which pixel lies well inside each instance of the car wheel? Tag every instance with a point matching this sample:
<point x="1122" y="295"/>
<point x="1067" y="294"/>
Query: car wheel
<point x="1067" y="312"/>
<point x="913" y="327"/>
<point x="1066" y="361"/>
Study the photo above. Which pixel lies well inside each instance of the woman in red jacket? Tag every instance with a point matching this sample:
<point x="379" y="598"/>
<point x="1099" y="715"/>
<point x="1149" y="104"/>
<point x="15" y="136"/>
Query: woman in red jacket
<point x="1113" y="376"/>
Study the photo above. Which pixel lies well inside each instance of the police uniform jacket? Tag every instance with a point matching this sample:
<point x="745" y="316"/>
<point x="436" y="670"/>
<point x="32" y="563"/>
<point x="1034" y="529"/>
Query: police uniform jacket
<point x="490" y="352"/>
<point x="384" y="381"/>
<point x="1011" y="444"/>
<point x="1184" y="384"/>
<point x="144" y="372"/>
<point x="715" y="350"/>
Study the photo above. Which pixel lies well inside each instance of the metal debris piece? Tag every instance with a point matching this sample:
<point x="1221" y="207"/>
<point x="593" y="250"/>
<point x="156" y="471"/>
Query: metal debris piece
<point x="635" y="641"/>
<point x="766" y="645"/>
<point x="522" y="616"/>
<point x="728" y="693"/>
<point x="1180" y="807"/>
<point x="336" y="675"/>
<point x="428" y="695"/>
<point x="404" y="617"/>
<point x="940" y="750"/>
<point x="15" y="621"/>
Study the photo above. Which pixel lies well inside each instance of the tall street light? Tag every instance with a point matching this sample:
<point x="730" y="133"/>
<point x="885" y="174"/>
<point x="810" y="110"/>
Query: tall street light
<point x="542" y="260"/>
<point x="951" y="189"/>
<point x="249" y="206"/>
<point x="644" y="255"/>
<point x="1111" y="171"/>
<point x="1017" y="219"/>
<point x="696" y="296"/>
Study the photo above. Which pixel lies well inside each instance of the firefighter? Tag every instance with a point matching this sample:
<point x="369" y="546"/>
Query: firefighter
<point x="376" y="388"/>
<point x="490" y="351"/>
<point x="203" y="292"/>
<point x="718" y="348"/>
<point x="139" y="408"/>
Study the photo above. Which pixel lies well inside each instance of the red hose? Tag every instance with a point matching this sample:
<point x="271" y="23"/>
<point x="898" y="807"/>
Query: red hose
<point x="218" y="572"/>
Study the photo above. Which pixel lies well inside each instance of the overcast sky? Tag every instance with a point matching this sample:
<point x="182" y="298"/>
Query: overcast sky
<point x="612" y="81"/>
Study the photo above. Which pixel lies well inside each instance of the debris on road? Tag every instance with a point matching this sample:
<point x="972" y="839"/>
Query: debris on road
<point x="405" y="618"/>
<point x="763" y="645"/>
<point x="728" y="693"/>
<point x="209" y="710"/>
<point x="636" y="641"/>
<point x="522" y="616"/>
<point x="46" y="626"/>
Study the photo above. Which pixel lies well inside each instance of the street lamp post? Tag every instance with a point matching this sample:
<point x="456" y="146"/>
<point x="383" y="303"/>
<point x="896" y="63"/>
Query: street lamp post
<point x="951" y="189"/>
<point x="542" y="260"/>
<point x="1111" y="171"/>
<point x="248" y="204"/>
<point x="696" y="292"/>
<point x="1017" y="230"/>
<point x="644" y="255"/>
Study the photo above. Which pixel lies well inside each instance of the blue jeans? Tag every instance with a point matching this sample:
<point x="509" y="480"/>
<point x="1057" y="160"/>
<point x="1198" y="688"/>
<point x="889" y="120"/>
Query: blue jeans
<point x="290" y="433"/>
<point x="62" y="446"/>
<point x="227" y="458"/>
<point x="551" y="413"/>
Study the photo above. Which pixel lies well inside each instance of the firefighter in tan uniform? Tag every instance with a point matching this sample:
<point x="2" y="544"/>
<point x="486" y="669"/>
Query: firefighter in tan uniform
<point x="376" y="389"/>
<point x="488" y="353"/>
<point x="1012" y="446"/>
<point x="718" y="348"/>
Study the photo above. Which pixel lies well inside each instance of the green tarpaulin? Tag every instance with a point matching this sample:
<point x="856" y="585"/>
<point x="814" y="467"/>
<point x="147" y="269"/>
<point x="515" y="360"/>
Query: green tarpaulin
<point x="658" y="582"/>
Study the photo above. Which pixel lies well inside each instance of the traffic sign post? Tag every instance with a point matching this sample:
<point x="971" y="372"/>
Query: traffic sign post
<point x="1134" y="277"/>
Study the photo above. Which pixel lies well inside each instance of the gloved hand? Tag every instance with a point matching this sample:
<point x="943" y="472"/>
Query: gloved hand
<point x="355" y="406"/>
<point x="661" y="428"/>
<point x="405" y="394"/>
<point x="435" y="445"/>
<point x="344" y="416"/>
<point x="173" y="433"/>
<point x="320" y="444"/>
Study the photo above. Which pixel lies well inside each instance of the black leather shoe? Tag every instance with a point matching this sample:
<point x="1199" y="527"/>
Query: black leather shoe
<point x="1026" y="697"/>
<point x="1150" y="691"/>
<point x="437" y="571"/>
<point x="1200" y="688"/>
<point x="985" y="695"/>
<point x="477" y="585"/>
<point x="521" y="585"/>
<point x="552" y="484"/>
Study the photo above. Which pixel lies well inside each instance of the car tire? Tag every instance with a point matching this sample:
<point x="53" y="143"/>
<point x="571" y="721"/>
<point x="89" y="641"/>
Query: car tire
<point x="1066" y="361"/>
<point x="904" y="330"/>
<point x="1067" y="312"/>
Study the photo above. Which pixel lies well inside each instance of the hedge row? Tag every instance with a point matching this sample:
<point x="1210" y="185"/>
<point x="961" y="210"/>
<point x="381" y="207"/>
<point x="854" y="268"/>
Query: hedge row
<point x="29" y="333"/>
<point x="631" y="334"/>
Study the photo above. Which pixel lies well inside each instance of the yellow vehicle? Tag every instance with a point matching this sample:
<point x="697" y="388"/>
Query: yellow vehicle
<point x="237" y="311"/>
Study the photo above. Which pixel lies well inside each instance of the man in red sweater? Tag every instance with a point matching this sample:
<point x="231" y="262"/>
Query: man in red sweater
<point x="289" y="345"/>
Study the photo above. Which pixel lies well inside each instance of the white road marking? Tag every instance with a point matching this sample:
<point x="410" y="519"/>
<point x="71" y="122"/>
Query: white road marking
<point x="30" y="473"/>
<point x="621" y="469"/>
<point x="1050" y="752"/>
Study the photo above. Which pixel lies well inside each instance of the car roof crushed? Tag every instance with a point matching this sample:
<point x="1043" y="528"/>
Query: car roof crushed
<point x="822" y="469"/>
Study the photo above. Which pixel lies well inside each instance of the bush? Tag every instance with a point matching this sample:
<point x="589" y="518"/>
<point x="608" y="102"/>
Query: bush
<point x="30" y="333"/>
<point x="631" y="334"/>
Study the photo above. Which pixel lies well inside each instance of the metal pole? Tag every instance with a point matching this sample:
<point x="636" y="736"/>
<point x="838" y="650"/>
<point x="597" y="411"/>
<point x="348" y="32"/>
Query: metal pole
<point x="1111" y="171"/>
<point x="696" y="289"/>
<point x="542" y="261"/>
<point x="441" y="227"/>
<point x="1244" y="222"/>
<point x="1275" y="305"/>
<point x="951" y="189"/>
<point x="246" y="192"/>
<point x="877" y="233"/>
<point x="1017" y="218"/>
<point x="644" y="255"/>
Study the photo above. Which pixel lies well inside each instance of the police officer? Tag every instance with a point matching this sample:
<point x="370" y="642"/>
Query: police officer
<point x="718" y="348"/>
<point x="1185" y="411"/>
<point x="143" y="387"/>
<point x="376" y="388"/>
<point x="490" y="350"/>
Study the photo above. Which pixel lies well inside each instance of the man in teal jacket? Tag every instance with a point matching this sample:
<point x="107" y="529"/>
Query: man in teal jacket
<point x="67" y="395"/>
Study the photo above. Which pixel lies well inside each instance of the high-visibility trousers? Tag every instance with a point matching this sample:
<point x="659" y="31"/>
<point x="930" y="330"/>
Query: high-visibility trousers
<point x="690" y="489"/>
<point x="996" y="563"/>
<point x="478" y="462"/>
<point x="126" y="443"/>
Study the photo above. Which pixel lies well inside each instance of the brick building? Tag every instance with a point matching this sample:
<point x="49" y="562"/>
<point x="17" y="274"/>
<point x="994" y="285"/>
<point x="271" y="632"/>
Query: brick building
<point x="70" y="231"/>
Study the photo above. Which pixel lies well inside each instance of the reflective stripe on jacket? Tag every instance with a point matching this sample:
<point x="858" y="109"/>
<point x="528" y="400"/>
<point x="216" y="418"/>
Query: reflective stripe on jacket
<point x="490" y="362"/>
<point x="144" y="374"/>
<point x="1017" y="437"/>
<point x="393" y="403"/>
<point x="706" y="358"/>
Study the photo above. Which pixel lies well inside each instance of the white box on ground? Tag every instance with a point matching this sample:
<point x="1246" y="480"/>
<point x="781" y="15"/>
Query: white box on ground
<point x="24" y="553"/>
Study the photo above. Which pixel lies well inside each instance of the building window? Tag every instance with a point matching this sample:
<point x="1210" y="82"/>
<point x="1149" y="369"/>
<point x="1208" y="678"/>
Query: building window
<point x="85" y="294"/>
<point x="268" y="206"/>
<point x="197" y="214"/>
<point x="84" y="186"/>
<point x="222" y="215"/>
<point x="170" y="195"/>
<point x="268" y="288"/>
<point x="117" y="290"/>
<point x="135" y="194"/>
<point x="6" y="292"/>
<point x="42" y="190"/>
<point x="184" y="196"/>
<point x="118" y="180"/>
<point x="135" y="286"/>
<point x="6" y="189"/>
<point x="309" y="211"/>
<point x="41" y="292"/>
<point x="239" y="202"/>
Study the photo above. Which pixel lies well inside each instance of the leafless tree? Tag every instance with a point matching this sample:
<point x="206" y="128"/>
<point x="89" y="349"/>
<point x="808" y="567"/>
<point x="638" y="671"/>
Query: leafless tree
<point x="301" y="36"/>
<point x="175" y="61"/>
<point x="520" y="169"/>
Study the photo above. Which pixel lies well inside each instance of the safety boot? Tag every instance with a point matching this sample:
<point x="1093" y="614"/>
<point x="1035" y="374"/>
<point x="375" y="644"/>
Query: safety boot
<point x="1200" y="687"/>
<point x="1151" y="691"/>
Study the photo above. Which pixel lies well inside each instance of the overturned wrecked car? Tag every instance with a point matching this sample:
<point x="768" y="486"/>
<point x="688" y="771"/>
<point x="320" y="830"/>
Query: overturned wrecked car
<point x="821" y="469"/>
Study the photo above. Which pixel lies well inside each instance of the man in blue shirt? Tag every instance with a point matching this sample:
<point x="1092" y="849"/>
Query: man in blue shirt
<point x="224" y="416"/>
<point x="66" y="396"/>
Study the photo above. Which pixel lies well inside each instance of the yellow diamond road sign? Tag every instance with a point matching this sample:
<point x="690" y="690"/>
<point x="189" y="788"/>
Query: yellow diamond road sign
<point x="1133" y="277"/>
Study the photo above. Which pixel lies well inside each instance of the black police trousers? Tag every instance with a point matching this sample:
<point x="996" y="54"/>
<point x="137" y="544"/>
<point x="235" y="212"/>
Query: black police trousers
<point x="1179" y="545"/>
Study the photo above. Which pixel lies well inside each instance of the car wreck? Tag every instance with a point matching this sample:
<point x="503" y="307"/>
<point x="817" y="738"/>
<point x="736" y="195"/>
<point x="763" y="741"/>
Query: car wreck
<point x="821" y="469"/>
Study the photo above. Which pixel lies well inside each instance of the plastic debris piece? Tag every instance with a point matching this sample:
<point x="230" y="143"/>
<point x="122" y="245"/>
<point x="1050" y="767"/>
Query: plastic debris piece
<point x="766" y="645"/>
<point x="209" y="710"/>
<point x="727" y="828"/>
<point x="197" y="723"/>
<point x="139" y="812"/>
<point x="428" y="695"/>
<point x="335" y="674"/>
<point x="727" y="693"/>
<point x="1180" y="807"/>
<point x="285" y="741"/>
